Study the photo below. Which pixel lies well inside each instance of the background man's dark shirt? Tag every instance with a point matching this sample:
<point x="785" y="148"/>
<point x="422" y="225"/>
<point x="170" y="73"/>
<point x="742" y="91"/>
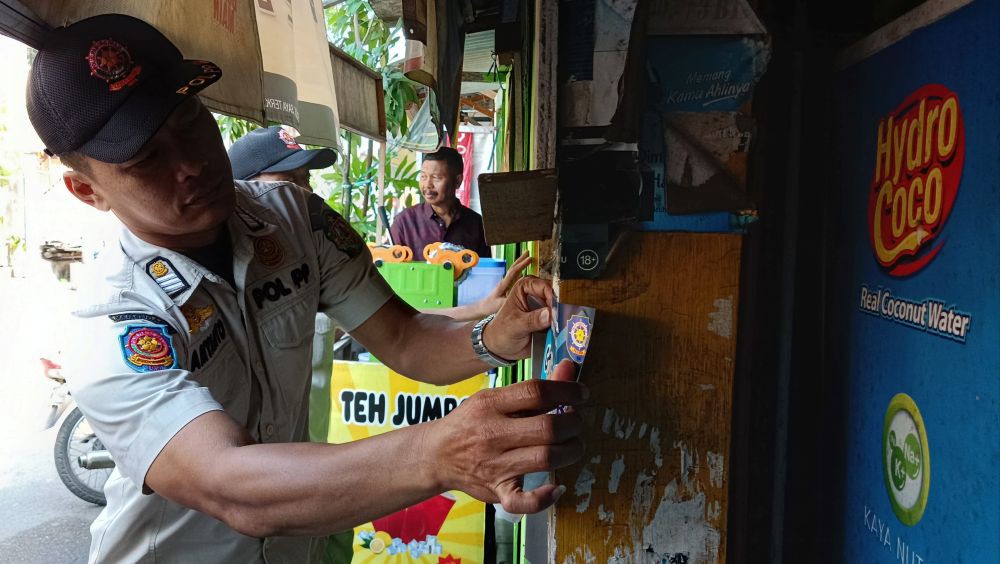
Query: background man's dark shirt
<point x="417" y="226"/>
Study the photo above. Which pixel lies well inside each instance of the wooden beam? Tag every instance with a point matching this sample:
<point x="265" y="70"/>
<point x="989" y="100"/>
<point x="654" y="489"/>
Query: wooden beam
<point x="483" y="22"/>
<point x="545" y="85"/>
<point x="479" y="108"/>
<point x="380" y="200"/>
<point x="347" y="58"/>
<point x="473" y="76"/>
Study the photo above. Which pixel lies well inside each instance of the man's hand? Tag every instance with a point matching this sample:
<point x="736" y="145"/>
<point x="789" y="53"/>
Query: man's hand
<point x="489" y="303"/>
<point x="527" y="310"/>
<point x="496" y="298"/>
<point x="488" y="443"/>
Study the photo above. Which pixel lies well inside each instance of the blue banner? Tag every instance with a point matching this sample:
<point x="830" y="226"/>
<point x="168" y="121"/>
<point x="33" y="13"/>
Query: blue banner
<point x="915" y="254"/>
<point x="705" y="73"/>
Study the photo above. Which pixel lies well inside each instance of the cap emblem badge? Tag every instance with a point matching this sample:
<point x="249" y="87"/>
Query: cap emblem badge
<point x="289" y="141"/>
<point x="111" y="62"/>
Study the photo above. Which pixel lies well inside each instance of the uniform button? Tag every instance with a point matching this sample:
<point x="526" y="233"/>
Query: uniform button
<point x="269" y="429"/>
<point x="258" y="366"/>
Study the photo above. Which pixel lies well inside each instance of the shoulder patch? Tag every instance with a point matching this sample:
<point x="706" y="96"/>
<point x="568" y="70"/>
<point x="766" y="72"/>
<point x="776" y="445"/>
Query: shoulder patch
<point x="119" y="317"/>
<point x="336" y="229"/>
<point x="166" y="276"/>
<point x="147" y="348"/>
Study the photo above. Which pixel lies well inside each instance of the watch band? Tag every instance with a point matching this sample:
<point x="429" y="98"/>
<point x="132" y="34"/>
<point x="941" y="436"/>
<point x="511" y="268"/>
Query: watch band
<point x="480" y="349"/>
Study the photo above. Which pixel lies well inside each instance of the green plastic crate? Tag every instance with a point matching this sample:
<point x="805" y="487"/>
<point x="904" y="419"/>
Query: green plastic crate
<point x="420" y="284"/>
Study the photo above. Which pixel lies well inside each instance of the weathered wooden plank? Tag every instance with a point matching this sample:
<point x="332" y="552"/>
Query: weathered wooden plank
<point x="921" y="16"/>
<point x="660" y="369"/>
<point x="361" y="106"/>
<point x="545" y="85"/>
<point x="705" y="17"/>
<point x="518" y="206"/>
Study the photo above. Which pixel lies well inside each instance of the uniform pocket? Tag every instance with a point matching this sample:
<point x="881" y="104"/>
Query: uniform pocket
<point x="293" y="326"/>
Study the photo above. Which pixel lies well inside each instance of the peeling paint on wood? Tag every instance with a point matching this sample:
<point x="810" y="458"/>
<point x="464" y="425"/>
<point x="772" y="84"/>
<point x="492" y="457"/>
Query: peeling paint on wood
<point x="688" y="463"/>
<point x="585" y="554"/>
<point x="714" y="510"/>
<point x="619" y="427"/>
<point x="609" y="419"/>
<point x="585" y="484"/>
<point x="605" y="516"/>
<point x="654" y="445"/>
<point x="716" y="468"/>
<point x="642" y="494"/>
<point x="720" y="321"/>
<point x="617" y="469"/>
<point x="679" y="526"/>
<point x="656" y="369"/>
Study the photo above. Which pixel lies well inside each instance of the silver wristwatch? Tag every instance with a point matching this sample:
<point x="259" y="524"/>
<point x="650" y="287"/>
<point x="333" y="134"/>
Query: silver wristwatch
<point x="480" y="349"/>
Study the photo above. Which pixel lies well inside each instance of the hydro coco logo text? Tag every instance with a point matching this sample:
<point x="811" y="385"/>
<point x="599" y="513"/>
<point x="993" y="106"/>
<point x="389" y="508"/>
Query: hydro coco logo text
<point x="919" y="153"/>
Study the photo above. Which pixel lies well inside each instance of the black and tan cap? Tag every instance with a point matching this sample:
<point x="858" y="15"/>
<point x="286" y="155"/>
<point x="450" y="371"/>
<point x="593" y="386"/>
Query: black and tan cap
<point x="105" y="85"/>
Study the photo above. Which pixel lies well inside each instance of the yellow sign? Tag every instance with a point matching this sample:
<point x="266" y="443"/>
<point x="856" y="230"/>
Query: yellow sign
<point x="368" y="399"/>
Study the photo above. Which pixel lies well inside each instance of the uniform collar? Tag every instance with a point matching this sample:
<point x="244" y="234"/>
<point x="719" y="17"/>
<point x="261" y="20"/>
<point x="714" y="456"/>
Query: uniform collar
<point x="249" y="221"/>
<point x="178" y="276"/>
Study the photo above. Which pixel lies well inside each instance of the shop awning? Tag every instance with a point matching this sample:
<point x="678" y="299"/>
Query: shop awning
<point x="274" y="53"/>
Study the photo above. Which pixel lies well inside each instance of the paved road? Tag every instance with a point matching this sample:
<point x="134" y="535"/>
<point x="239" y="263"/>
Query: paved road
<point x="40" y="521"/>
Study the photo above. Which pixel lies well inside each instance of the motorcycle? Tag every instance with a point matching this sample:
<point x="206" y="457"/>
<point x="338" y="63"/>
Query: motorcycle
<point x="82" y="462"/>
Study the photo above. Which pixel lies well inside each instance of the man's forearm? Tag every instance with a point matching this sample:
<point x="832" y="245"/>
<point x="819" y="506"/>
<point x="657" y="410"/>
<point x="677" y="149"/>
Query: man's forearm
<point x="212" y="465"/>
<point x="431" y="348"/>
<point x="438" y="350"/>
<point x="468" y="312"/>
<point x="316" y="489"/>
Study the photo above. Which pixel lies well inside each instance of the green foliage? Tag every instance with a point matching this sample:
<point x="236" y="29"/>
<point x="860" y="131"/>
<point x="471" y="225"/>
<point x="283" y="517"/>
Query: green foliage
<point x="400" y="181"/>
<point x="353" y="26"/>
<point x="16" y="242"/>
<point x="233" y="128"/>
<point x="400" y="93"/>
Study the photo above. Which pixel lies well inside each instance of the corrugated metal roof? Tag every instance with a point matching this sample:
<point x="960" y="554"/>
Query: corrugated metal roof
<point x="479" y="51"/>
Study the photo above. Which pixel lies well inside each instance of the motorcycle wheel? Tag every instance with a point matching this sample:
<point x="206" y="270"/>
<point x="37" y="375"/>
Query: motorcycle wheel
<point x="75" y="438"/>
